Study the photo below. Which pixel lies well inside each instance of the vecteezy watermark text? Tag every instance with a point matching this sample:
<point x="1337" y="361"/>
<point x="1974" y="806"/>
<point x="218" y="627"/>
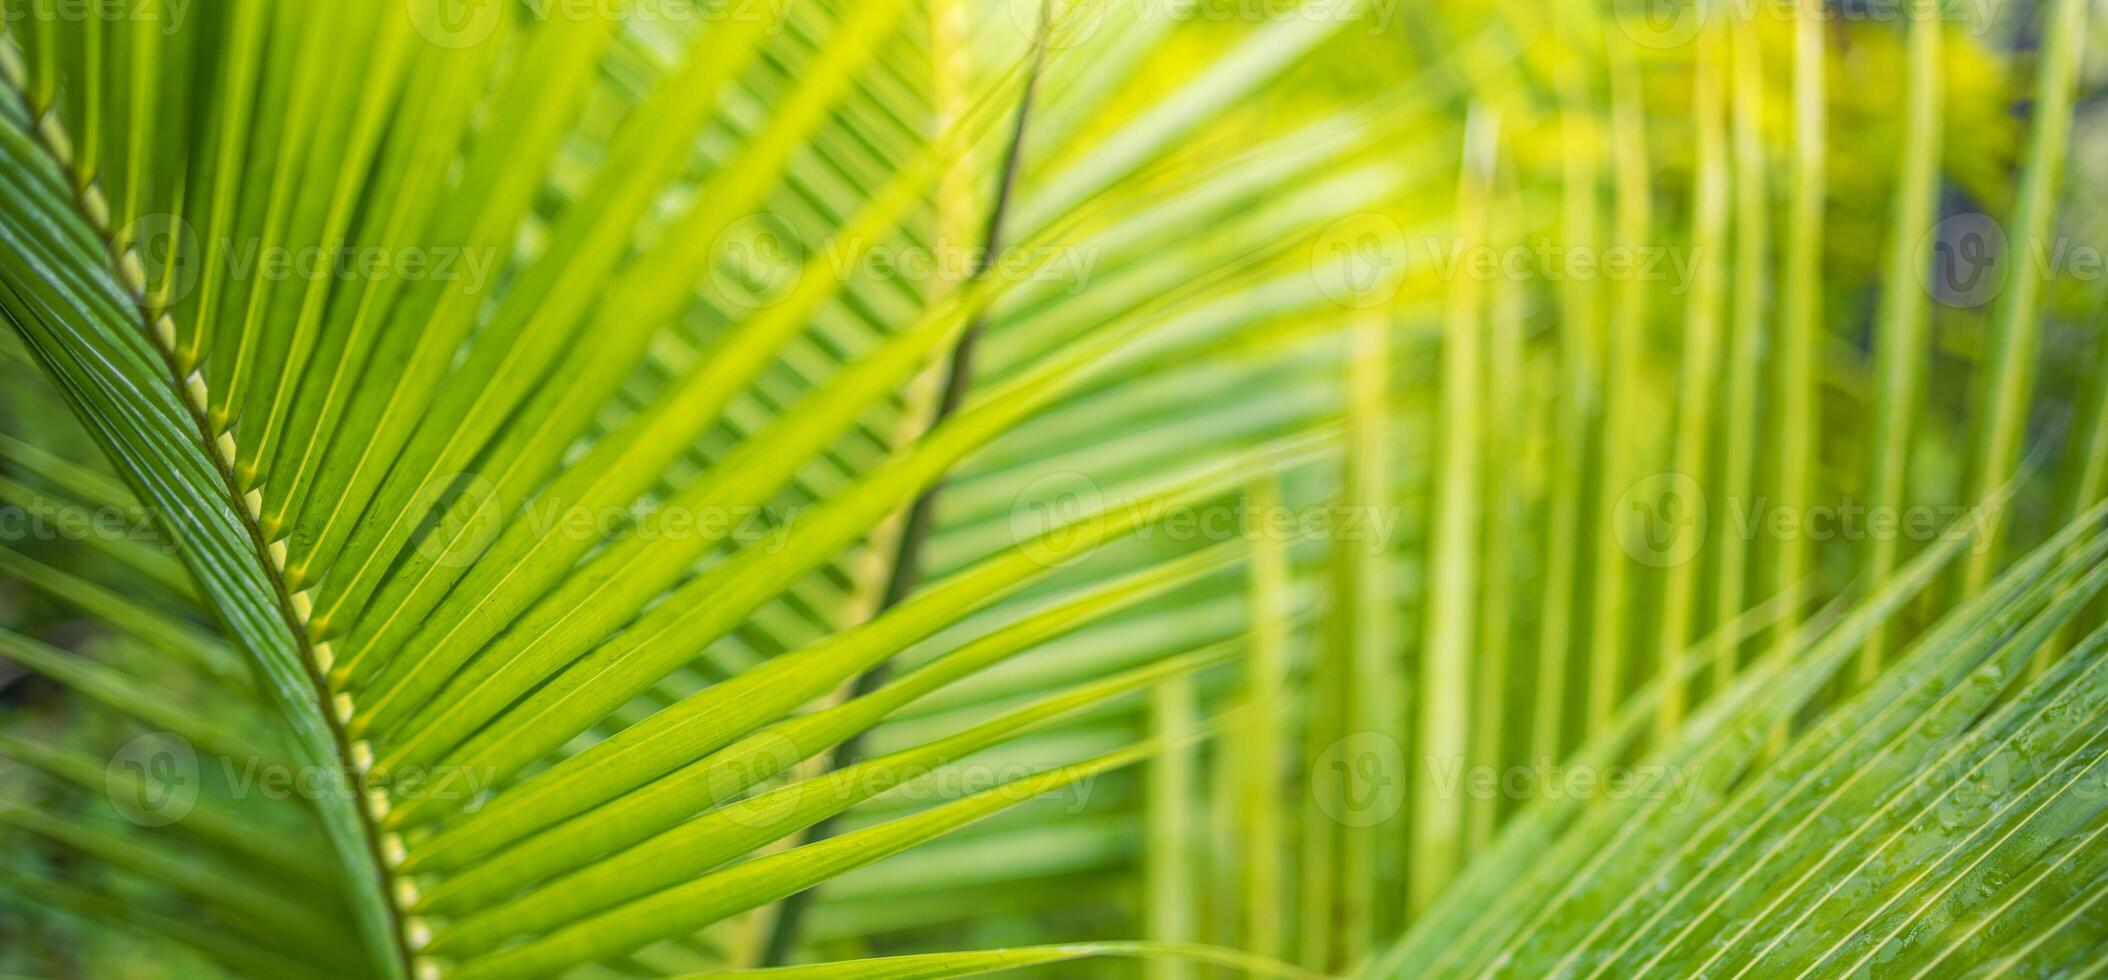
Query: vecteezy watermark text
<point x="1360" y="780"/>
<point x="762" y="258"/>
<point x="1549" y="780"/>
<point x="43" y="519"/>
<point x="1068" y="23"/>
<point x="468" y="515"/>
<point x="1664" y="520"/>
<point x="171" y="14"/>
<point x="174" y="258"/>
<point x="1062" y="508"/>
<point x="155" y="780"/>
<point x="1363" y="259"/>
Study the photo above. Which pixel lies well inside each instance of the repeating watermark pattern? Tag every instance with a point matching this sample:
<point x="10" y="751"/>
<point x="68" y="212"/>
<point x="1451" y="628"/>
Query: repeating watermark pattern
<point x="173" y="257"/>
<point x="171" y="14"/>
<point x="1968" y="260"/>
<point x="1360" y="261"/>
<point x="465" y="23"/>
<point x="467" y="515"/>
<point x="1553" y="262"/>
<point x="937" y="784"/>
<point x="1360" y="780"/>
<point x="1055" y="24"/>
<point x="1058" y="24"/>
<point x="1059" y="516"/>
<point x="656" y="521"/>
<point x="1663" y="520"/>
<point x="1674" y="23"/>
<point x="918" y="784"/>
<point x="155" y="780"/>
<point x="762" y="258"/>
<point x="466" y="785"/>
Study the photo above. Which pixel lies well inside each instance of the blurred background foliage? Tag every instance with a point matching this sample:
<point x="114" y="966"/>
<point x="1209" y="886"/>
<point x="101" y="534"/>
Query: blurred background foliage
<point x="1267" y="197"/>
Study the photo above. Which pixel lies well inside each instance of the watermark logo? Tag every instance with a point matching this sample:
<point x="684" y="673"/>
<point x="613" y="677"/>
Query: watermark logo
<point x="1056" y="518"/>
<point x="1013" y="781"/>
<point x="1659" y="23"/>
<point x="1357" y="261"/>
<point x="1359" y="780"/>
<point x="1968" y="261"/>
<point x="1661" y="520"/>
<point x="466" y="518"/>
<point x="917" y="783"/>
<point x="456" y="23"/>
<point x="761" y="759"/>
<point x="1058" y="24"/>
<point x="168" y="254"/>
<point x="153" y="780"/>
<point x="760" y="259"/>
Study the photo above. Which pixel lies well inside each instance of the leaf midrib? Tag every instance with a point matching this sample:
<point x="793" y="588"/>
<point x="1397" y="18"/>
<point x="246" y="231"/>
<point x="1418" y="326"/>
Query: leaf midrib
<point x="259" y="550"/>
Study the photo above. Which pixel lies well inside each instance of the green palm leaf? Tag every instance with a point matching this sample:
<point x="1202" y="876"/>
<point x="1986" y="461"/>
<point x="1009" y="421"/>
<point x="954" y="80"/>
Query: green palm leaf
<point x="789" y="489"/>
